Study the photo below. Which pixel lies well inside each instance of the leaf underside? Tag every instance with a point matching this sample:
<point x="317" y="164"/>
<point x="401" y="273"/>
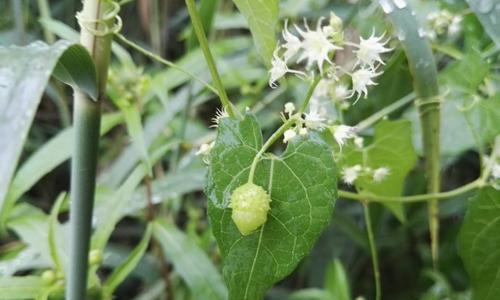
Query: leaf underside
<point x="302" y="185"/>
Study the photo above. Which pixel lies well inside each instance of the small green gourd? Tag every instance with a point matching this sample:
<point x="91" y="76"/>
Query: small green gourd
<point x="250" y="204"/>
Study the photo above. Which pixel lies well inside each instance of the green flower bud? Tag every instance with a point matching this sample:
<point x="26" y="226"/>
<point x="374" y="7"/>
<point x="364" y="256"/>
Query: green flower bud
<point x="250" y="204"/>
<point x="95" y="257"/>
<point x="48" y="277"/>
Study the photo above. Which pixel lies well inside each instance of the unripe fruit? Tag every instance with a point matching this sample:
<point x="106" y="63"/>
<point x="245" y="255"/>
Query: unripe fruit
<point x="48" y="277"/>
<point x="95" y="257"/>
<point x="250" y="204"/>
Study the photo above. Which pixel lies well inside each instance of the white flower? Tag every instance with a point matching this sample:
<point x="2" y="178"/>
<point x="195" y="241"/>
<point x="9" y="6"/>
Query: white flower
<point x="495" y="172"/>
<point x="359" y="142"/>
<point x="292" y="44"/>
<point x="454" y="27"/>
<point x="303" y="131"/>
<point x="219" y="114"/>
<point x="380" y="174"/>
<point x="313" y="119"/>
<point x="342" y="133"/>
<point x="341" y="92"/>
<point x="279" y="69"/>
<point x="322" y="88"/>
<point x="205" y="149"/>
<point x="350" y="174"/>
<point x="316" y="46"/>
<point x="288" y="135"/>
<point x="361" y="79"/>
<point x="289" y="108"/>
<point x="370" y="49"/>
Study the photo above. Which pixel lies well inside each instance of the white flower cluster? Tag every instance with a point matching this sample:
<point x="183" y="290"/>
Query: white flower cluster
<point x="351" y="174"/>
<point x="318" y="47"/>
<point x="441" y="23"/>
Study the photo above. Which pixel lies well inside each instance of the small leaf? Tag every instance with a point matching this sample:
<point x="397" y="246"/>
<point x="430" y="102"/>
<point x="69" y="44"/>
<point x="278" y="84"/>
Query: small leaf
<point x="53" y="224"/>
<point x="190" y="262"/>
<point x="76" y="68"/>
<point x="479" y="244"/>
<point x="262" y="17"/>
<point x="392" y="149"/>
<point x="120" y="273"/>
<point x="337" y="282"/>
<point x="134" y="128"/>
<point x="302" y="185"/>
<point x="488" y="12"/>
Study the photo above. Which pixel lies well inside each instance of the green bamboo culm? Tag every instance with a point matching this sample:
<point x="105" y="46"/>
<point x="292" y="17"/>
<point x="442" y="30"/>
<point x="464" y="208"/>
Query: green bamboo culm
<point x="423" y="68"/>
<point x="97" y="22"/>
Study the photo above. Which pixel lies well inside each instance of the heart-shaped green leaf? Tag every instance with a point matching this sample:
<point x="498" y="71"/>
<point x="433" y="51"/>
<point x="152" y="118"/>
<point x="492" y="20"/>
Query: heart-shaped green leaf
<point x="479" y="244"/>
<point x="303" y="186"/>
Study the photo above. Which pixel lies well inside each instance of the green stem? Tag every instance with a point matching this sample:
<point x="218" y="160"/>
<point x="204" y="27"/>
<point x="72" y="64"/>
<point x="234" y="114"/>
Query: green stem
<point x="44" y="10"/>
<point x="368" y="122"/>
<point x="202" y="39"/>
<point x="95" y="17"/>
<point x="276" y="135"/>
<point x="165" y="62"/>
<point x="424" y="71"/>
<point x="373" y="251"/>
<point x="478" y="183"/>
<point x="310" y="92"/>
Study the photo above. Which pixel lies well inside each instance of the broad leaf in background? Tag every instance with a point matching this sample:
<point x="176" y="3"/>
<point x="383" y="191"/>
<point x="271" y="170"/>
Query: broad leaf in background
<point x="392" y="148"/>
<point x="22" y="287"/>
<point x="262" y="17"/>
<point x="488" y="13"/>
<point x="479" y="244"/>
<point x="24" y="73"/>
<point x="37" y="165"/>
<point x="302" y="186"/>
<point x="190" y="262"/>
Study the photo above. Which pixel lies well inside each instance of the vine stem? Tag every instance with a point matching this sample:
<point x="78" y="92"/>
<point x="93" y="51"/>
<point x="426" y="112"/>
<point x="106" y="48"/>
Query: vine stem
<point x="96" y="16"/>
<point x="273" y="138"/>
<point x="165" y="62"/>
<point x="202" y="39"/>
<point x="478" y="183"/>
<point x="373" y="250"/>
<point x="284" y="127"/>
<point x="310" y="92"/>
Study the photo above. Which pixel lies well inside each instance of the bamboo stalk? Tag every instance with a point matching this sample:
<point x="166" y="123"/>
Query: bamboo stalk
<point x="424" y="72"/>
<point x="96" y="19"/>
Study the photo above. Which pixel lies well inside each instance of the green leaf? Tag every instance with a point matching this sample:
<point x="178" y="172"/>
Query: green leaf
<point x="134" y="128"/>
<point x="120" y="273"/>
<point x="24" y="74"/>
<point x="190" y="262"/>
<point x="392" y="148"/>
<point x="479" y="244"/>
<point x="312" y="294"/>
<point x="21" y="287"/>
<point x="302" y="185"/>
<point x="337" y="282"/>
<point x="262" y="17"/>
<point x="488" y="13"/>
<point x="53" y="224"/>
<point x="75" y="67"/>
<point x="37" y="165"/>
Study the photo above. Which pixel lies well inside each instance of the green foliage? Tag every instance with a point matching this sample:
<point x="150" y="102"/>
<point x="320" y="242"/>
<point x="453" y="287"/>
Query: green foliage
<point x="192" y="264"/>
<point x="392" y="148"/>
<point x="479" y="244"/>
<point x="21" y="287"/>
<point x="262" y="18"/>
<point x="302" y="186"/>
<point x="488" y="13"/>
<point x="23" y="82"/>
